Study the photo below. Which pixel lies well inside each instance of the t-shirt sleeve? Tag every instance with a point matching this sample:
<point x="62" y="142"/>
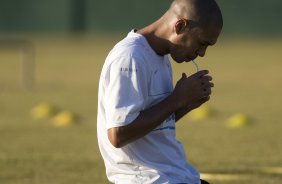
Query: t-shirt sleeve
<point x="126" y="91"/>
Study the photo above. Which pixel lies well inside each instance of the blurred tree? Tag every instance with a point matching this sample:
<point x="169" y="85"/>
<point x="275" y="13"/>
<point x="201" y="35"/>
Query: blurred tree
<point x="78" y="15"/>
<point x="241" y="17"/>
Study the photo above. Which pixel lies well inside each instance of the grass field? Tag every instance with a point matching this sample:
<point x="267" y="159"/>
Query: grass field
<point x="247" y="76"/>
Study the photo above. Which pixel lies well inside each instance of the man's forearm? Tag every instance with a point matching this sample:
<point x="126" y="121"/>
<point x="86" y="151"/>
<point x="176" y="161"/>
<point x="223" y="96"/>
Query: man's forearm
<point x="181" y="112"/>
<point x="144" y="123"/>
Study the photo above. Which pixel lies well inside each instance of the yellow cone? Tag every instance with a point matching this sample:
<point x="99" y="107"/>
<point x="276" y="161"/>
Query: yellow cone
<point x="201" y="113"/>
<point x="238" y="120"/>
<point x="42" y="111"/>
<point x="63" y="119"/>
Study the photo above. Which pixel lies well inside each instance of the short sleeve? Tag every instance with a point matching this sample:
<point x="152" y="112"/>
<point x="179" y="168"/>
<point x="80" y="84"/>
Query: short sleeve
<point x="126" y="91"/>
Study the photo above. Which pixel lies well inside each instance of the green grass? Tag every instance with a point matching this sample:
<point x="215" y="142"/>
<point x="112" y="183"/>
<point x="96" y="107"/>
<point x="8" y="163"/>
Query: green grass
<point x="247" y="76"/>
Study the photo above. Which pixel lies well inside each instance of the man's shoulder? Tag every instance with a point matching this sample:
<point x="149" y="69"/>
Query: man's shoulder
<point x="127" y="50"/>
<point x="129" y="46"/>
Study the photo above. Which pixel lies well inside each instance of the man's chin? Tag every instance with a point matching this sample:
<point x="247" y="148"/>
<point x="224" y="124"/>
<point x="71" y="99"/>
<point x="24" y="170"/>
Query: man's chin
<point x="181" y="60"/>
<point x="188" y="60"/>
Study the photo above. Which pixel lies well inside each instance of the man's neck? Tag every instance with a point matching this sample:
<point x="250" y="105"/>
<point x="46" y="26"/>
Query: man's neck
<point x="156" y="38"/>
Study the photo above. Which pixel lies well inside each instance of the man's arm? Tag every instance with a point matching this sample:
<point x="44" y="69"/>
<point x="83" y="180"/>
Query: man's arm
<point x="146" y="121"/>
<point x="189" y="92"/>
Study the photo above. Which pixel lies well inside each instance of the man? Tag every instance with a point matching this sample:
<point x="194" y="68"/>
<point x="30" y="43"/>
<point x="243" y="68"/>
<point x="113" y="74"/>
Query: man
<point x="137" y="104"/>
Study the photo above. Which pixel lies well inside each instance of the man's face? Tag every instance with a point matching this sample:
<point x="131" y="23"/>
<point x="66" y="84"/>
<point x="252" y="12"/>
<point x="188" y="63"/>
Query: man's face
<point x="193" y="43"/>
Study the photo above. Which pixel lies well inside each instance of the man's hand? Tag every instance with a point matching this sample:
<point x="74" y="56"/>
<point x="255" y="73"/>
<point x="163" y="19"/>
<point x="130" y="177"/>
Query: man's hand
<point x="191" y="92"/>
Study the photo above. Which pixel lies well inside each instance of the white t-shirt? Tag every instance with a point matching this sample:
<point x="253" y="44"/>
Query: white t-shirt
<point x="133" y="79"/>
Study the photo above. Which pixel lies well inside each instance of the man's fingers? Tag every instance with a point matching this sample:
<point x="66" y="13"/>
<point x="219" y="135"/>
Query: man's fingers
<point x="200" y="73"/>
<point x="207" y="84"/>
<point x="206" y="81"/>
<point x="204" y="99"/>
<point x="184" y="75"/>
<point x="207" y="91"/>
<point x="207" y="78"/>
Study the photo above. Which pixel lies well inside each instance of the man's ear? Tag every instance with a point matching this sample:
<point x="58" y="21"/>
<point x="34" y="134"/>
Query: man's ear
<point x="181" y="25"/>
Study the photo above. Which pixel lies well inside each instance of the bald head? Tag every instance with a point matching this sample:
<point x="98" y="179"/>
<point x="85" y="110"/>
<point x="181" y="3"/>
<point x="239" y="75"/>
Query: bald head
<point x="185" y="30"/>
<point x="199" y="12"/>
